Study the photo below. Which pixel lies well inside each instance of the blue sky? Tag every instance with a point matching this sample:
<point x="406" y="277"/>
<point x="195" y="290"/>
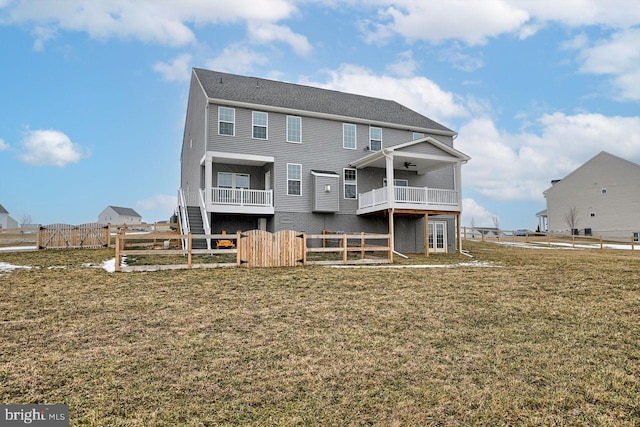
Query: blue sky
<point x="93" y="94"/>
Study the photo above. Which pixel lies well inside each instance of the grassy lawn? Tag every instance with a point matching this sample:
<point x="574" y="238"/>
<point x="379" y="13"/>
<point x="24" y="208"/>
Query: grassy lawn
<point x="544" y="337"/>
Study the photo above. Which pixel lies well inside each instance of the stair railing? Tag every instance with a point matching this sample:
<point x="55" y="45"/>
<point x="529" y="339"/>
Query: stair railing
<point x="184" y="218"/>
<point x="205" y="217"/>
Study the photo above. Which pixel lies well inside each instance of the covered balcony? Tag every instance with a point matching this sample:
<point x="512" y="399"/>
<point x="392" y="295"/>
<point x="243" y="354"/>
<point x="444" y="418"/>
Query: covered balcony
<point x="415" y="159"/>
<point x="243" y="183"/>
<point x="410" y="198"/>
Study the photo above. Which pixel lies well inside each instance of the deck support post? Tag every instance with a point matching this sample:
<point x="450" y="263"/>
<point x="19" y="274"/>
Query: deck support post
<point x="391" y="235"/>
<point x="426" y="234"/>
<point x="458" y="235"/>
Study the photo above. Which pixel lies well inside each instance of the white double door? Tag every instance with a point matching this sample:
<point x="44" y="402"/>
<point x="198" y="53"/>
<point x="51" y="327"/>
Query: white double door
<point x="437" y="236"/>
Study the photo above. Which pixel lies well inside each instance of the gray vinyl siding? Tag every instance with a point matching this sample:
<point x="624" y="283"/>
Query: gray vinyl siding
<point x="193" y="142"/>
<point x="617" y="213"/>
<point x="321" y="149"/>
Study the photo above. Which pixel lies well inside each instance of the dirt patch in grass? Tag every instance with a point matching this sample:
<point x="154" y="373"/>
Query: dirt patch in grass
<point x="549" y="338"/>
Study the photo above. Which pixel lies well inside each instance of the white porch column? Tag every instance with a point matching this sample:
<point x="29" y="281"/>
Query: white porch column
<point x="457" y="185"/>
<point x="208" y="180"/>
<point x="390" y="187"/>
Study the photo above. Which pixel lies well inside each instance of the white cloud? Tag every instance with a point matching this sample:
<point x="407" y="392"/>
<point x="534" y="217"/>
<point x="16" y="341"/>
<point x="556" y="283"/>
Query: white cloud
<point x="3" y="145"/>
<point x="164" y="22"/>
<point x="162" y="202"/>
<point x="405" y="66"/>
<point x="472" y="211"/>
<point x="520" y="166"/>
<point x="417" y="93"/>
<point x="575" y="13"/>
<point x="237" y="59"/>
<point x="50" y="147"/>
<point x="619" y="57"/>
<point x="472" y="22"/>
<point x="459" y="60"/>
<point x="178" y="69"/>
<point x="265" y="33"/>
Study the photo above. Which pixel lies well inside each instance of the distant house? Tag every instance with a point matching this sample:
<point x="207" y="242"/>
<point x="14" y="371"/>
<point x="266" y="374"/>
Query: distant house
<point x="602" y="196"/>
<point x="5" y="220"/>
<point x="119" y="215"/>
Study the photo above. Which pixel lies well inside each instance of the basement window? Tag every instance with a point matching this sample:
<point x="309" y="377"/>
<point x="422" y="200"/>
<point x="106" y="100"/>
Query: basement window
<point x="636" y="236"/>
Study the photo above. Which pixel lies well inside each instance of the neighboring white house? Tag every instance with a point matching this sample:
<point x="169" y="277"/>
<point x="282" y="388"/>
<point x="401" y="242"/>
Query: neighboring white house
<point x="5" y="220"/>
<point x="119" y="215"/>
<point x="602" y="196"/>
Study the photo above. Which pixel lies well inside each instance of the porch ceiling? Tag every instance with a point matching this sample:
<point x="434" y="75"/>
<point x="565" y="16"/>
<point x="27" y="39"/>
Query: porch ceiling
<point x="404" y="160"/>
<point x="237" y="159"/>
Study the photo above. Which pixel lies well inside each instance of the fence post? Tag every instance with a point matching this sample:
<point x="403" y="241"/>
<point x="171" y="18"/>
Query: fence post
<point x="601" y="247"/>
<point x="117" y="252"/>
<point x="39" y="238"/>
<point x="362" y="245"/>
<point x="344" y="248"/>
<point x="239" y="251"/>
<point x="189" y="246"/>
<point x="304" y="248"/>
<point x="573" y="241"/>
<point x="632" y="248"/>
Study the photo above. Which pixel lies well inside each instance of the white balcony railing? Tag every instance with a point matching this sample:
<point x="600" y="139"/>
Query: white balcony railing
<point x="241" y="197"/>
<point x="415" y="196"/>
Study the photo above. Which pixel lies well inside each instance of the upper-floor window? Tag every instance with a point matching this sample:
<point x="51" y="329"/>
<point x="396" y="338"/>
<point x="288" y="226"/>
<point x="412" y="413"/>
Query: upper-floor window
<point x="375" y="139"/>
<point x="226" y="121"/>
<point x="294" y="129"/>
<point x="350" y="183"/>
<point x="294" y="179"/>
<point x="418" y="135"/>
<point x="349" y="136"/>
<point x="260" y="125"/>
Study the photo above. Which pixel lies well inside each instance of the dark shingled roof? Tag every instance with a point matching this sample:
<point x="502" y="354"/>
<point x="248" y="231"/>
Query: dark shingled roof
<point x="260" y="91"/>
<point x="125" y="211"/>
<point x="3" y="210"/>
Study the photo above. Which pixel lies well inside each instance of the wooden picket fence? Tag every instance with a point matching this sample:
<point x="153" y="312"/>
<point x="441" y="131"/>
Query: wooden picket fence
<point x="257" y="248"/>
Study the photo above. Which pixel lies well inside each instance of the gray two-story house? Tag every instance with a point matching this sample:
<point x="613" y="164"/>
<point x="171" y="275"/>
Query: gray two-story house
<point x="264" y="154"/>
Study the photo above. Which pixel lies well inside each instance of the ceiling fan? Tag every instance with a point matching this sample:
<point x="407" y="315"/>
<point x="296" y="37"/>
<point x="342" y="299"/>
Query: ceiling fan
<point x="407" y="165"/>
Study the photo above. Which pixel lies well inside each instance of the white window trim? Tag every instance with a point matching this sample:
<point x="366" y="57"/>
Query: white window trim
<point x="253" y="124"/>
<point x="233" y="179"/>
<point x="345" y="183"/>
<point x="370" y="138"/>
<point x="289" y="179"/>
<point x="355" y="136"/>
<point x="224" y="121"/>
<point x="287" y="129"/>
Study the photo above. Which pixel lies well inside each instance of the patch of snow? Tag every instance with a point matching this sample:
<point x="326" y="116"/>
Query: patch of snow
<point x="5" y="267"/>
<point x="109" y="265"/>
